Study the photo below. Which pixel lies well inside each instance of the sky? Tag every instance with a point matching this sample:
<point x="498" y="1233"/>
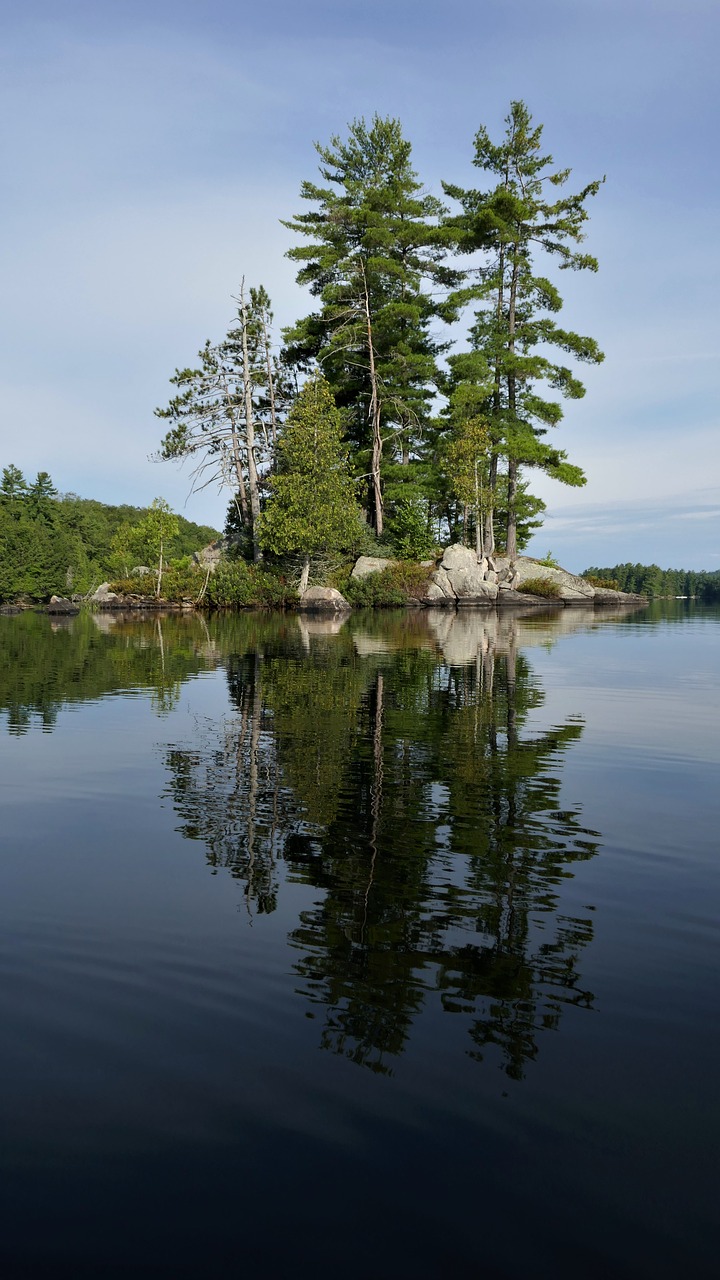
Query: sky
<point x="149" y="151"/>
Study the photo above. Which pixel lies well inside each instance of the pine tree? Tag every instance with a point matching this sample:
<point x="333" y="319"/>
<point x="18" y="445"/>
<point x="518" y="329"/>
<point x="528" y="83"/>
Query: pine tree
<point x="375" y="242"/>
<point x="510" y="222"/>
<point x="312" y="507"/>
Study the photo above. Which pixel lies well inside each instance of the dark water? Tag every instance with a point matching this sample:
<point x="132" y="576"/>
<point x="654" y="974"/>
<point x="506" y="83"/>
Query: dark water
<point x="385" y="949"/>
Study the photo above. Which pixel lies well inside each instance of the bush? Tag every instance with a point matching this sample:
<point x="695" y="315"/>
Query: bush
<point x="549" y="561"/>
<point x="541" y="587"/>
<point x="236" y="584"/>
<point x="181" y="580"/>
<point x="391" y="588"/>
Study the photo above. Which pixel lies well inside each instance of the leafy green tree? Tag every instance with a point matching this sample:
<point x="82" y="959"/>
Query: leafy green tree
<point x="312" y="506"/>
<point x="511" y="222"/>
<point x="153" y="533"/>
<point x="375" y="242"/>
<point x="467" y="455"/>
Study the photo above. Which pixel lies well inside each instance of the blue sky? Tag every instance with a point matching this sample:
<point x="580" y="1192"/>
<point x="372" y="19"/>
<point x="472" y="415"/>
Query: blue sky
<point x="149" y="151"/>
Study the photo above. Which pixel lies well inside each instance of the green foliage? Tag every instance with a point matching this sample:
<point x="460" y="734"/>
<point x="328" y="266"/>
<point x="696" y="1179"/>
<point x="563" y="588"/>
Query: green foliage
<point x="374" y="244"/>
<point x="509" y="222"/>
<point x="651" y="580"/>
<point x="541" y="587"/>
<point x="550" y="562"/>
<point x="312" y="507"/>
<point x="238" y="585"/>
<point x="62" y="544"/>
<point x="391" y="588"/>
<point x="408" y="528"/>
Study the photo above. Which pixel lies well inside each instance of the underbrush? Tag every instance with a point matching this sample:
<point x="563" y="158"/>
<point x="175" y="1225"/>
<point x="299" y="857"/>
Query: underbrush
<point x="391" y="588"/>
<point x="235" y="584"/>
<point x="541" y="587"/>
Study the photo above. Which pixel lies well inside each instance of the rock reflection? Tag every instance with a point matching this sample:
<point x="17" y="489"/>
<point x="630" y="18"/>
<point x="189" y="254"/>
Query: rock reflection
<point x="389" y="766"/>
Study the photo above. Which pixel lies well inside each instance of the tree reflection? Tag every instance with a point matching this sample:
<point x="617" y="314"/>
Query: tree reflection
<point x="391" y="765"/>
<point x="47" y="664"/>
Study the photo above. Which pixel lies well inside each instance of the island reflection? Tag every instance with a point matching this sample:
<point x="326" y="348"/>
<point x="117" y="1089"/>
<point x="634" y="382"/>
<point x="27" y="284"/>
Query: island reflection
<point x="387" y="763"/>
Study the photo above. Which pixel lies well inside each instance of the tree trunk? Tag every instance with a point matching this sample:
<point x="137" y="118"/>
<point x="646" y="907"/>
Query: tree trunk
<point x="250" y="431"/>
<point x="511" y="548"/>
<point x="271" y="380"/>
<point x="374" y="416"/>
<point x="304" y="576"/>
<point x="490" y="513"/>
<point x="237" y="457"/>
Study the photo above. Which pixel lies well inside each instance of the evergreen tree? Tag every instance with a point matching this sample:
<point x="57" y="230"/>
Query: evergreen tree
<point x="510" y="222"/>
<point x="312" y="507"/>
<point x="375" y="242"/>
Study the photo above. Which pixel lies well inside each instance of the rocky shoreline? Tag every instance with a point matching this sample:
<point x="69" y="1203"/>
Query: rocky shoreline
<point x="459" y="579"/>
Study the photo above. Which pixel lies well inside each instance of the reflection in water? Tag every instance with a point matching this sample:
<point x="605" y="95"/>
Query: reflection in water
<point x="47" y="664"/>
<point x="386" y="764"/>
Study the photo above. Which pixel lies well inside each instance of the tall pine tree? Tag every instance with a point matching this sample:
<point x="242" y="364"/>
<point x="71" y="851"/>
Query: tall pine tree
<point x="511" y="221"/>
<point x="376" y="246"/>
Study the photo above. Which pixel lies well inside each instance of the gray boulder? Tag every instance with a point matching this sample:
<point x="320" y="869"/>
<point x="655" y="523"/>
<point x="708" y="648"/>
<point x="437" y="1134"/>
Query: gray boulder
<point x="103" y="595"/>
<point x="365" y="565"/>
<point x="323" y="599"/>
<point x="467" y="578"/>
<point x="210" y="556"/>
<point x="59" y="604"/>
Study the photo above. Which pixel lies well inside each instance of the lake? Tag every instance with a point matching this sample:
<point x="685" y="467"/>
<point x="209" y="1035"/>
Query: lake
<point x="378" y="947"/>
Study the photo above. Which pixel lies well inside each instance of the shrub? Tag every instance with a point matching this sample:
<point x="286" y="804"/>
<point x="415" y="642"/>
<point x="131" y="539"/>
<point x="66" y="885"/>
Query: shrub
<point x="549" y="561"/>
<point x="391" y="588"/>
<point x="541" y="587"/>
<point x="236" y="584"/>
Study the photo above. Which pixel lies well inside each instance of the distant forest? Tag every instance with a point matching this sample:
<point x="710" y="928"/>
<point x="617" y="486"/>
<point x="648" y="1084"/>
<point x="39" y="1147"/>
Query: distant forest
<point x="651" y="580"/>
<point x="53" y="543"/>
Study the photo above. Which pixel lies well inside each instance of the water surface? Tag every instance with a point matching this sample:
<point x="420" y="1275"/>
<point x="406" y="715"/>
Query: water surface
<point x="385" y="946"/>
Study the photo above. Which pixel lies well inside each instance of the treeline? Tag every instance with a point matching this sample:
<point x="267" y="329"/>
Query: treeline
<point x="434" y="331"/>
<point x="52" y="543"/>
<point x="651" y="580"/>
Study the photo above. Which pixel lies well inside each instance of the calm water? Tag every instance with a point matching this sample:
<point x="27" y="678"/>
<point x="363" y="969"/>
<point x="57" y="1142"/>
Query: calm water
<point x="378" y="949"/>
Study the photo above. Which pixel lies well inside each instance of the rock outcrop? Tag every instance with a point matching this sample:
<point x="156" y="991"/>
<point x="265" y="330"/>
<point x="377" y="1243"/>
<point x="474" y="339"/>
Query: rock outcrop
<point x="463" y="579"/>
<point x="365" y="565"/>
<point x="323" y="600"/>
<point x="210" y="556"/>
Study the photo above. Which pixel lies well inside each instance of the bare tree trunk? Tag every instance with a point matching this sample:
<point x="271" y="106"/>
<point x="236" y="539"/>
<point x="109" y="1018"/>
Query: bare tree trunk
<point x="237" y="456"/>
<point x="304" y="576"/>
<point x="250" y="431"/>
<point x="271" y="379"/>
